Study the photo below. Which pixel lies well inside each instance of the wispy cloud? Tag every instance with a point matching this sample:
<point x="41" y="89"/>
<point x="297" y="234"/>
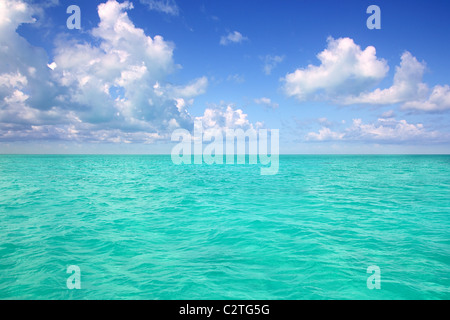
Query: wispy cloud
<point x="388" y="114"/>
<point x="236" y="78"/>
<point x="267" y="102"/>
<point x="382" y="131"/>
<point x="232" y="37"/>
<point x="270" y="62"/>
<point x="164" y="6"/>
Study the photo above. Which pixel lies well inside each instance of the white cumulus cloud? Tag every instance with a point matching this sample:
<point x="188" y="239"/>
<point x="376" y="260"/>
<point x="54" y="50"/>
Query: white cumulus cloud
<point x="223" y="117"/>
<point x="438" y="100"/>
<point x="407" y="85"/>
<point x="344" y="69"/>
<point x="110" y="89"/>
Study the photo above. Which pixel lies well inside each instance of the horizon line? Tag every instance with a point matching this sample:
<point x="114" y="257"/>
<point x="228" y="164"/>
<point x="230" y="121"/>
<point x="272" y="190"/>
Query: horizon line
<point x="247" y="154"/>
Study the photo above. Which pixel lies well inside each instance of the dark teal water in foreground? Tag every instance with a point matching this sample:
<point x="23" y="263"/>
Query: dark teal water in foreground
<point x="140" y="227"/>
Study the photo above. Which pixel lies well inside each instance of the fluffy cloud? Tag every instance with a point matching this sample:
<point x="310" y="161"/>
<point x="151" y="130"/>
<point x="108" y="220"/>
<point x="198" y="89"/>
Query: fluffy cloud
<point x="164" y="6"/>
<point x="346" y="73"/>
<point x="112" y="89"/>
<point x="225" y="117"/>
<point x="232" y="37"/>
<point x="27" y="93"/>
<point x="12" y="14"/>
<point x="219" y="118"/>
<point x="383" y="131"/>
<point x="13" y="80"/>
<point x="118" y="81"/>
<point x="439" y="100"/>
<point x="344" y="69"/>
<point x="408" y="89"/>
<point x="407" y="85"/>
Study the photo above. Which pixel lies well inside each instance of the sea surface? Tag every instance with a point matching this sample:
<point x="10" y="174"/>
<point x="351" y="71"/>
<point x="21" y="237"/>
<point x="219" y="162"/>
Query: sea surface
<point x="140" y="227"/>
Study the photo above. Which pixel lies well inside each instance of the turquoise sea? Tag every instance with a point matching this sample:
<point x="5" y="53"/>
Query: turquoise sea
<point x="140" y="227"/>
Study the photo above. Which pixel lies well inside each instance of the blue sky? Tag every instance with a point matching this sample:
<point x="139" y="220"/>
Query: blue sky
<point x="138" y="70"/>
